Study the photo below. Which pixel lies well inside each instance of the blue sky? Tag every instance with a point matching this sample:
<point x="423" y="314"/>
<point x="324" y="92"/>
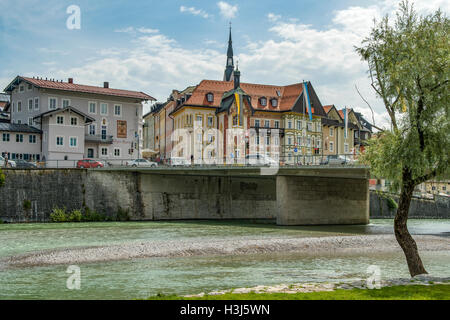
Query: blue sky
<point x="157" y="46"/>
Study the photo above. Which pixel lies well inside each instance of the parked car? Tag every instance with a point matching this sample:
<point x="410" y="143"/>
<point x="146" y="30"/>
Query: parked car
<point x="25" y="164"/>
<point x="178" y="161"/>
<point x="259" y="160"/>
<point x="89" y="163"/>
<point x="337" y="159"/>
<point x="142" y="163"/>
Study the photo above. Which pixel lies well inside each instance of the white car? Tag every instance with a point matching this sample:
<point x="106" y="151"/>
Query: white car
<point x="260" y="160"/>
<point x="177" y="161"/>
<point x="142" y="163"/>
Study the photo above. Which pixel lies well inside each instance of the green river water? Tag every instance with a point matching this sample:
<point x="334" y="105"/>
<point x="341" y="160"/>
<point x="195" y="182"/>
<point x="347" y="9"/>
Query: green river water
<point x="139" y="278"/>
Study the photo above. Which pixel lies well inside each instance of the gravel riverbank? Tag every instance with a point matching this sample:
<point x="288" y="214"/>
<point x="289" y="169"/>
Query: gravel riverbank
<point x="333" y="245"/>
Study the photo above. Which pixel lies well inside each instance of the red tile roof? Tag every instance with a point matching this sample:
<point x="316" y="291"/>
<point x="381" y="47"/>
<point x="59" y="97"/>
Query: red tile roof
<point x="48" y="84"/>
<point x="286" y="98"/>
<point x="328" y="108"/>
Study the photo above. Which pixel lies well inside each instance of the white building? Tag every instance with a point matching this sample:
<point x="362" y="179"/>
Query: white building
<point x="78" y="121"/>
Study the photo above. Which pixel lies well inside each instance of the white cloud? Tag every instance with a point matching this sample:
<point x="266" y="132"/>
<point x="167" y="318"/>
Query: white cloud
<point x="133" y="30"/>
<point x="273" y="17"/>
<point x="227" y="10"/>
<point x="195" y="12"/>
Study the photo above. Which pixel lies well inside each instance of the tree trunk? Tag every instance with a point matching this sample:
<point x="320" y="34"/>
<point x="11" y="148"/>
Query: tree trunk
<point x="402" y="234"/>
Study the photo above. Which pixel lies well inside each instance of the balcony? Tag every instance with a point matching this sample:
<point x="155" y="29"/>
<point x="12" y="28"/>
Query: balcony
<point x="98" y="138"/>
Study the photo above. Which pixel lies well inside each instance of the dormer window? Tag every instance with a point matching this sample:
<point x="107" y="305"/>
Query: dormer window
<point x="210" y="97"/>
<point x="274" y="102"/>
<point x="263" y="101"/>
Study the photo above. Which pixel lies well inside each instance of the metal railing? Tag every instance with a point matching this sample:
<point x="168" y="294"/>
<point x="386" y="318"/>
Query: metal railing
<point x="101" y="138"/>
<point x="248" y="161"/>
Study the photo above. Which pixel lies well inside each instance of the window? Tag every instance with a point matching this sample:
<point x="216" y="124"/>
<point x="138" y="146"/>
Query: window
<point x="210" y="121"/>
<point x="116" y="152"/>
<point x="65" y="103"/>
<point x="51" y="103"/>
<point x="19" y="121"/>
<point x="274" y="102"/>
<point x="30" y="121"/>
<point x="19" y="106"/>
<point x="92" y="107"/>
<point x="308" y="141"/>
<point x="104" y="108"/>
<point x="266" y="123"/>
<point x="256" y="123"/>
<point x="73" y="121"/>
<point x="277" y="140"/>
<point x="30" y="86"/>
<point x="6" y="137"/>
<point x="289" y="140"/>
<point x="263" y="101"/>
<point x="331" y="132"/>
<point x="21" y="88"/>
<point x="289" y="124"/>
<point x="19" y="137"/>
<point x="30" y="104"/>
<point x="331" y="146"/>
<point x="73" y="141"/>
<point x="277" y="124"/>
<point x="299" y="125"/>
<point x="210" y="138"/>
<point x="299" y="140"/>
<point x="319" y="126"/>
<point x="117" y="110"/>
<point x="59" y="141"/>
<point x="92" y="129"/>
<point x="199" y="120"/>
<point x="36" y="103"/>
<point x="32" y="138"/>
<point x="60" y="120"/>
<point x="104" y="151"/>
<point x="345" y="147"/>
<point x="309" y="126"/>
<point x="268" y="140"/>
<point x="210" y="97"/>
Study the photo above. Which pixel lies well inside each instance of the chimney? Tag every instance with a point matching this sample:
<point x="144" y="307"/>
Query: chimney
<point x="70" y="80"/>
<point x="105" y="84"/>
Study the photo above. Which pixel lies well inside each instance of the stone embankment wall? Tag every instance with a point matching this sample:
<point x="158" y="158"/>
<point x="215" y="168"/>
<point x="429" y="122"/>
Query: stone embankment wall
<point x="380" y="206"/>
<point x="30" y="195"/>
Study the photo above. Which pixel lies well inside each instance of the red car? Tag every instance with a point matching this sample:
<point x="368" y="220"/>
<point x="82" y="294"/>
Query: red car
<point x="89" y="163"/>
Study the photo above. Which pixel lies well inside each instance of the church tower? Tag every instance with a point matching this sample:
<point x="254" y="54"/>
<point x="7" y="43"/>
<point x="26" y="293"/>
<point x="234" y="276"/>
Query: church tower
<point x="228" y="74"/>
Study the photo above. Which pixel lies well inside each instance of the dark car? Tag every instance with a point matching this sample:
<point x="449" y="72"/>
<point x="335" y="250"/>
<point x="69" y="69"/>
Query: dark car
<point x="25" y="164"/>
<point x="89" y="163"/>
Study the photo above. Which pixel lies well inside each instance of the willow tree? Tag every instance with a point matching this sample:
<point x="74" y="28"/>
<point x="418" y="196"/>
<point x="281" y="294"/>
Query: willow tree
<point x="408" y="61"/>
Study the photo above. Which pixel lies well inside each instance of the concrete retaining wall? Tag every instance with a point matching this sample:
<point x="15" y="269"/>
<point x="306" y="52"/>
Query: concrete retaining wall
<point x="420" y="208"/>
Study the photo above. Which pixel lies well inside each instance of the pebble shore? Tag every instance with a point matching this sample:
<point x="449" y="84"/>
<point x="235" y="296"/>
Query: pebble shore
<point x="313" y="246"/>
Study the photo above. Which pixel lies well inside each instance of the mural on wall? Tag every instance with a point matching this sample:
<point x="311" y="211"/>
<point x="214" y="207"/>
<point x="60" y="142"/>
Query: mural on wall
<point x="121" y="129"/>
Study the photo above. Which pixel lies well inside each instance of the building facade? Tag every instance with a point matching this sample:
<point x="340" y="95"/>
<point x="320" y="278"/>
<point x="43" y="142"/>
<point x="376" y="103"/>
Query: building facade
<point x="79" y="121"/>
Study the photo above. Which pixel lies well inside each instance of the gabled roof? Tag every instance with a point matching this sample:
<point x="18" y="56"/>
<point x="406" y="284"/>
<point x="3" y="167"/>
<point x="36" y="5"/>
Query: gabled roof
<point x="16" y="127"/>
<point x="66" y="86"/>
<point x="87" y="119"/>
<point x="287" y="96"/>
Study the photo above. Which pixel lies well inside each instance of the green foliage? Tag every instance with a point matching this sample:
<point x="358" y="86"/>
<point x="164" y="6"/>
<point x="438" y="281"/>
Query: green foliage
<point x="58" y="215"/>
<point x="75" y="216"/>
<point x="26" y="205"/>
<point x="391" y="203"/>
<point x="92" y="215"/>
<point x="122" y="214"/>
<point x="2" y="178"/>
<point x="409" y="64"/>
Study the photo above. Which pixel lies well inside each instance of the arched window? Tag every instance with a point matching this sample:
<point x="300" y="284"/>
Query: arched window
<point x="209" y="97"/>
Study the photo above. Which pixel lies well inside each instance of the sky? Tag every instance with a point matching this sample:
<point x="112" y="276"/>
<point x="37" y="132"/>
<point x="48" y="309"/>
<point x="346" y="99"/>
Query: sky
<point x="157" y="46"/>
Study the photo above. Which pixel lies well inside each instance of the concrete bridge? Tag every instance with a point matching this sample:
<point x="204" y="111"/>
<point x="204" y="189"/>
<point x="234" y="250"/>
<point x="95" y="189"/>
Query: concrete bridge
<point x="292" y="196"/>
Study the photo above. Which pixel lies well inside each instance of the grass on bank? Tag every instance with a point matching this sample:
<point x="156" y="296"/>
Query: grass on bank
<point x="409" y="292"/>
